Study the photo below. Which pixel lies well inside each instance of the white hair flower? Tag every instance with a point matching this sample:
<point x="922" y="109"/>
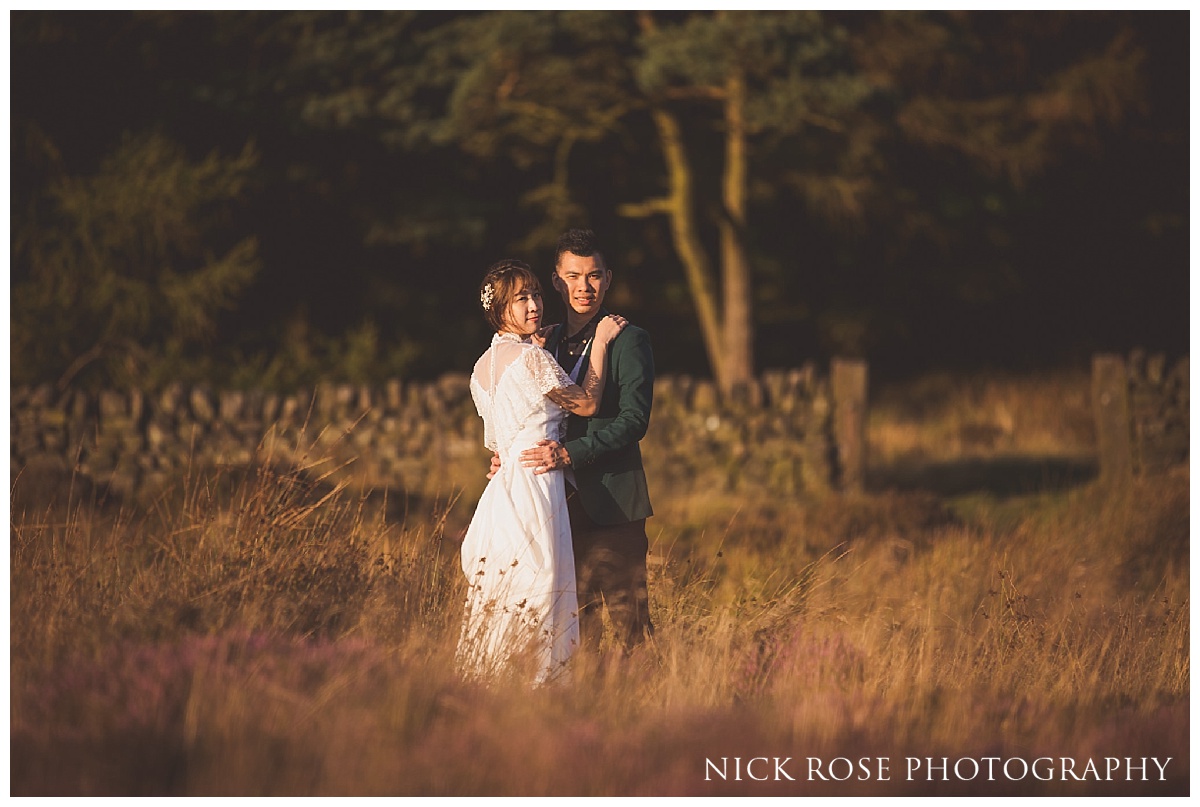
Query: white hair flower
<point x="486" y="296"/>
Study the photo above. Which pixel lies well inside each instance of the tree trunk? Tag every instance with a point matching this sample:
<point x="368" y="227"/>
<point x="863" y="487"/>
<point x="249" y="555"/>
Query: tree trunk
<point x="682" y="215"/>
<point x="738" y="342"/>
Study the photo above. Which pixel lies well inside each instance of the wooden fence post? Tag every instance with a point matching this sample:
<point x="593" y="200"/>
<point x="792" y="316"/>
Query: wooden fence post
<point x="1110" y="405"/>
<point x="848" y="383"/>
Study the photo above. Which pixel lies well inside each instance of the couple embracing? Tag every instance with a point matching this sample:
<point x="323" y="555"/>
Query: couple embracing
<point x="560" y="531"/>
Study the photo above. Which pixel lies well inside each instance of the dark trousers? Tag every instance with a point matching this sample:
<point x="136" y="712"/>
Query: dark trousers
<point x="610" y="570"/>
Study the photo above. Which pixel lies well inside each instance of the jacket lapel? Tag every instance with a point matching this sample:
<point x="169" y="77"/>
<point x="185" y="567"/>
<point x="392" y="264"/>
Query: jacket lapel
<point x="554" y="338"/>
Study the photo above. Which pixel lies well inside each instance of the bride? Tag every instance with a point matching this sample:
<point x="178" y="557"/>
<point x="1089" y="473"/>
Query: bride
<point x="521" y="604"/>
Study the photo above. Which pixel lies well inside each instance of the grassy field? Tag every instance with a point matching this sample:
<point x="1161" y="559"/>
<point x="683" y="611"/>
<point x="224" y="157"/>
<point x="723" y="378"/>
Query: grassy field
<point x="252" y="633"/>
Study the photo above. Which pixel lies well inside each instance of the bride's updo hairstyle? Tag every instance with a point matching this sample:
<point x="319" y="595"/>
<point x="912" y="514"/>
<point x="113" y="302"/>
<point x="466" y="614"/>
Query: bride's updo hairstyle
<point x="504" y="280"/>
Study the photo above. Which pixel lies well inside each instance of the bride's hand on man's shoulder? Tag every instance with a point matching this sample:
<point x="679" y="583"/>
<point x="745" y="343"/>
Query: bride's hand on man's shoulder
<point x="608" y="328"/>
<point x="540" y="336"/>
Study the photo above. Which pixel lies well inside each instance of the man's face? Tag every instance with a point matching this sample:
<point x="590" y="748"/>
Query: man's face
<point x="581" y="283"/>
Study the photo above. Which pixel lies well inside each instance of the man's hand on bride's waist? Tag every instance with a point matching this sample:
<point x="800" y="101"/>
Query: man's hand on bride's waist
<point x="547" y="455"/>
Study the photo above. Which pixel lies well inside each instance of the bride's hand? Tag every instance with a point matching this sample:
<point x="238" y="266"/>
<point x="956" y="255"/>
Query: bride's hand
<point x="608" y="328"/>
<point x="540" y="336"/>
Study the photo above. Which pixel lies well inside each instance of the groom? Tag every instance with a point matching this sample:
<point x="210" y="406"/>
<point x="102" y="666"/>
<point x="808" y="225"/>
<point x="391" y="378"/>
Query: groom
<point x="606" y="484"/>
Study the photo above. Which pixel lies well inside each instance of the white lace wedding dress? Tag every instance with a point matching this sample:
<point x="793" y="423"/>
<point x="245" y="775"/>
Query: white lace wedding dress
<point x="517" y="551"/>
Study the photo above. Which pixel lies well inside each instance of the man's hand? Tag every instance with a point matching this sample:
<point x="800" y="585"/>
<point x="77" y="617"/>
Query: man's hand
<point x="547" y="455"/>
<point x="495" y="469"/>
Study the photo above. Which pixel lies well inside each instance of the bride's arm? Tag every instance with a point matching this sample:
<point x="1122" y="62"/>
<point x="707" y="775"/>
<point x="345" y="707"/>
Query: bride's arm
<point x="584" y="399"/>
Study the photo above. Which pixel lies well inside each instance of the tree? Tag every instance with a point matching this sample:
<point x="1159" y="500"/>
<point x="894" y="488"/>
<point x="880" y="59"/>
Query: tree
<point x="739" y="130"/>
<point x="772" y="75"/>
<point x="533" y="86"/>
<point x="122" y="271"/>
<point x="997" y="157"/>
<point x="557" y="80"/>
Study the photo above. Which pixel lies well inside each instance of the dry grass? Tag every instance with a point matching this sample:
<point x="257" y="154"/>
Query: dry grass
<point x="264" y="635"/>
<point x="942" y="417"/>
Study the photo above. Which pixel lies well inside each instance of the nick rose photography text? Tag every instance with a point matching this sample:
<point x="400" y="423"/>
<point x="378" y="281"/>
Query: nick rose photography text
<point x="937" y="769"/>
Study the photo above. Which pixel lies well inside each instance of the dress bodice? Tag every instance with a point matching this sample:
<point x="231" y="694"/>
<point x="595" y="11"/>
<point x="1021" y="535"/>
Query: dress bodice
<point x="509" y="386"/>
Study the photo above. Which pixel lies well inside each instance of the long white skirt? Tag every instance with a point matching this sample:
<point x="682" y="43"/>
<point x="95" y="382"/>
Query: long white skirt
<point x="521" y="607"/>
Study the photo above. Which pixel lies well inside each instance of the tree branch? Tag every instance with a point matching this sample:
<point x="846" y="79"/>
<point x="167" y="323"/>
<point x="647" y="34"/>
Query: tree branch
<point x="824" y="122"/>
<point x="641" y="210"/>
<point x="687" y="93"/>
<point x="97" y="351"/>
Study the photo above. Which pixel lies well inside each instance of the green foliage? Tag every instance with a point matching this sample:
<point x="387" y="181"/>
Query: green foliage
<point x="798" y="62"/>
<point x="1038" y="97"/>
<point x="531" y="87"/>
<point x="525" y="86"/>
<point x="118" y="270"/>
<point x="306" y="357"/>
<point x="909" y="175"/>
<point x="857" y="127"/>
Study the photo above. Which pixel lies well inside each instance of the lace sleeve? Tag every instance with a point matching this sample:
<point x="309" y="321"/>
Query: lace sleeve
<point x="545" y="371"/>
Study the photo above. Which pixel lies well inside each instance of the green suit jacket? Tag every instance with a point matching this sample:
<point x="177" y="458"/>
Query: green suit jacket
<point x="604" y="448"/>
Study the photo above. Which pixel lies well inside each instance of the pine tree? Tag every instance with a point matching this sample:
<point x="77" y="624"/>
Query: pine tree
<point x="120" y="272"/>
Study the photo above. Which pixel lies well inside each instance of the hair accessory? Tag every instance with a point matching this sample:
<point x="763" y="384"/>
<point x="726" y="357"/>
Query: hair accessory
<point x="486" y="296"/>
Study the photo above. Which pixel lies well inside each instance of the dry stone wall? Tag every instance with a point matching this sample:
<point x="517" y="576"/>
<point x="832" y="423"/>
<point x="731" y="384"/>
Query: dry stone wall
<point x="1159" y="407"/>
<point x="422" y="438"/>
<point x="1142" y="414"/>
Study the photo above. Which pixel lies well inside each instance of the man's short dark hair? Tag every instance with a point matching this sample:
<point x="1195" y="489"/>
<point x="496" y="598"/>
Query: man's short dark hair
<point x="582" y="243"/>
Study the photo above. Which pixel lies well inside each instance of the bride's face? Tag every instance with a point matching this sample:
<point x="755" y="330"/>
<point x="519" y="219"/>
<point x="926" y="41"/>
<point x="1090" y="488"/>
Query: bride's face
<point x="525" y="312"/>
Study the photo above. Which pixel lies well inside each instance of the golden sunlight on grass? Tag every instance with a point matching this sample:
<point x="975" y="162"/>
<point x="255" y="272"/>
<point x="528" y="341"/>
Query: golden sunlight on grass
<point x="940" y="417"/>
<point x="262" y="633"/>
